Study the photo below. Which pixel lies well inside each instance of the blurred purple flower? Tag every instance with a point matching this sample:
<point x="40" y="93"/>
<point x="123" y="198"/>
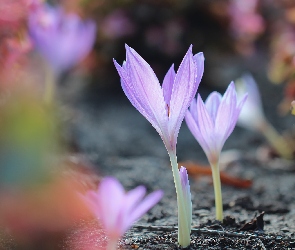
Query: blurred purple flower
<point x="213" y="122"/>
<point x="63" y="39"/>
<point x="117" y="24"/>
<point x="252" y="115"/>
<point x="164" y="107"/>
<point x="245" y="20"/>
<point x="118" y="210"/>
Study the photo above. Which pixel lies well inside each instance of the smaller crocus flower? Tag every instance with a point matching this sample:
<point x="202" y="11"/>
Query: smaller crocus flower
<point x="63" y="39"/>
<point x="187" y="198"/>
<point x="211" y="123"/>
<point x="252" y="116"/>
<point x="118" y="210"/>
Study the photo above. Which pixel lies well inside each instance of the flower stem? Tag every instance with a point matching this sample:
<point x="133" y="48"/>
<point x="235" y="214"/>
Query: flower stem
<point x="184" y="228"/>
<point x="276" y="140"/>
<point x="217" y="190"/>
<point x="50" y="86"/>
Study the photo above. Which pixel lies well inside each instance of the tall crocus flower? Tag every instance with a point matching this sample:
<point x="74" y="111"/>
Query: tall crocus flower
<point x="164" y="107"/>
<point x="211" y="123"/>
<point x="118" y="210"/>
<point x="63" y="39"/>
<point x="252" y="116"/>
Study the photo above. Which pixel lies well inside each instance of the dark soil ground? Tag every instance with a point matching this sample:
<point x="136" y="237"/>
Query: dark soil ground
<point x="114" y="136"/>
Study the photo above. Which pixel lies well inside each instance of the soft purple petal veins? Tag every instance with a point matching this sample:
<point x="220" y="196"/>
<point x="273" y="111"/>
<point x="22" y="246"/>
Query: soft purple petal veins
<point x="205" y="124"/>
<point x="193" y="127"/>
<point x="183" y="91"/>
<point x="226" y="111"/>
<point x="148" y="202"/>
<point x="167" y="85"/>
<point x="111" y="196"/>
<point x="212" y="104"/>
<point x="148" y="89"/>
<point x="131" y="93"/>
<point x="199" y="64"/>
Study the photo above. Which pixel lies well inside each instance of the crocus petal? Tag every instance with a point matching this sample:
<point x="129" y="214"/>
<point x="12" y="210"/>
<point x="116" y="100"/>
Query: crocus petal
<point x="130" y="92"/>
<point x="193" y="127"/>
<point x="199" y="64"/>
<point x="205" y="125"/>
<point x="132" y="199"/>
<point x="224" y="123"/>
<point x="111" y="195"/>
<point x="168" y="84"/>
<point x="148" y="202"/>
<point x="183" y="91"/>
<point x="212" y="103"/>
<point x="147" y="89"/>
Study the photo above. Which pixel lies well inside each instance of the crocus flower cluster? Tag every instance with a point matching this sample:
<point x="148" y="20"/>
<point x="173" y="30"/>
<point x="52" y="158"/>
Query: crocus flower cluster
<point x="211" y="123"/>
<point x="63" y="39"/>
<point x="164" y="107"/>
<point x="118" y="210"/>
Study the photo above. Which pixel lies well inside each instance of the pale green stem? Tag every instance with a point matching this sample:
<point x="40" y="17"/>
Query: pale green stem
<point x="276" y="140"/>
<point x="50" y="86"/>
<point x="217" y="190"/>
<point x="183" y="227"/>
<point x="112" y="244"/>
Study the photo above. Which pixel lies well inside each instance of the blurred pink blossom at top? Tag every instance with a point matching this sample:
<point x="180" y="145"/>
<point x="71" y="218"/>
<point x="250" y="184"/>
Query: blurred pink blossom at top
<point x="13" y="13"/>
<point x="245" y="20"/>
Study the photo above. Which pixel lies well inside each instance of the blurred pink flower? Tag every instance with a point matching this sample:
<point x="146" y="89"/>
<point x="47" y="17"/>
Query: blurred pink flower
<point x="13" y="13"/>
<point x="118" y="210"/>
<point x="245" y="20"/>
<point x="63" y="39"/>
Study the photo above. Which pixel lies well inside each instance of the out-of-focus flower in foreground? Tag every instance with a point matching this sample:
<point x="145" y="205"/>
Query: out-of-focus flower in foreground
<point x="164" y="107"/>
<point x="211" y="124"/>
<point x="63" y="39"/>
<point x="252" y="116"/>
<point x="118" y="210"/>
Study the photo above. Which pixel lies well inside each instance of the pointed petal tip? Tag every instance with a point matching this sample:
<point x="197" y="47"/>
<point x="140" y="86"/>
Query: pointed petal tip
<point x="199" y="56"/>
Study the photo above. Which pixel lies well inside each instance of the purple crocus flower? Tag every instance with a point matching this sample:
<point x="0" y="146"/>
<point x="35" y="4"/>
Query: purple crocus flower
<point x="213" y="122"/>
<point x="118" y="210"/>
<point x="63" y="39"/>
<point x="164" y="107"/>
